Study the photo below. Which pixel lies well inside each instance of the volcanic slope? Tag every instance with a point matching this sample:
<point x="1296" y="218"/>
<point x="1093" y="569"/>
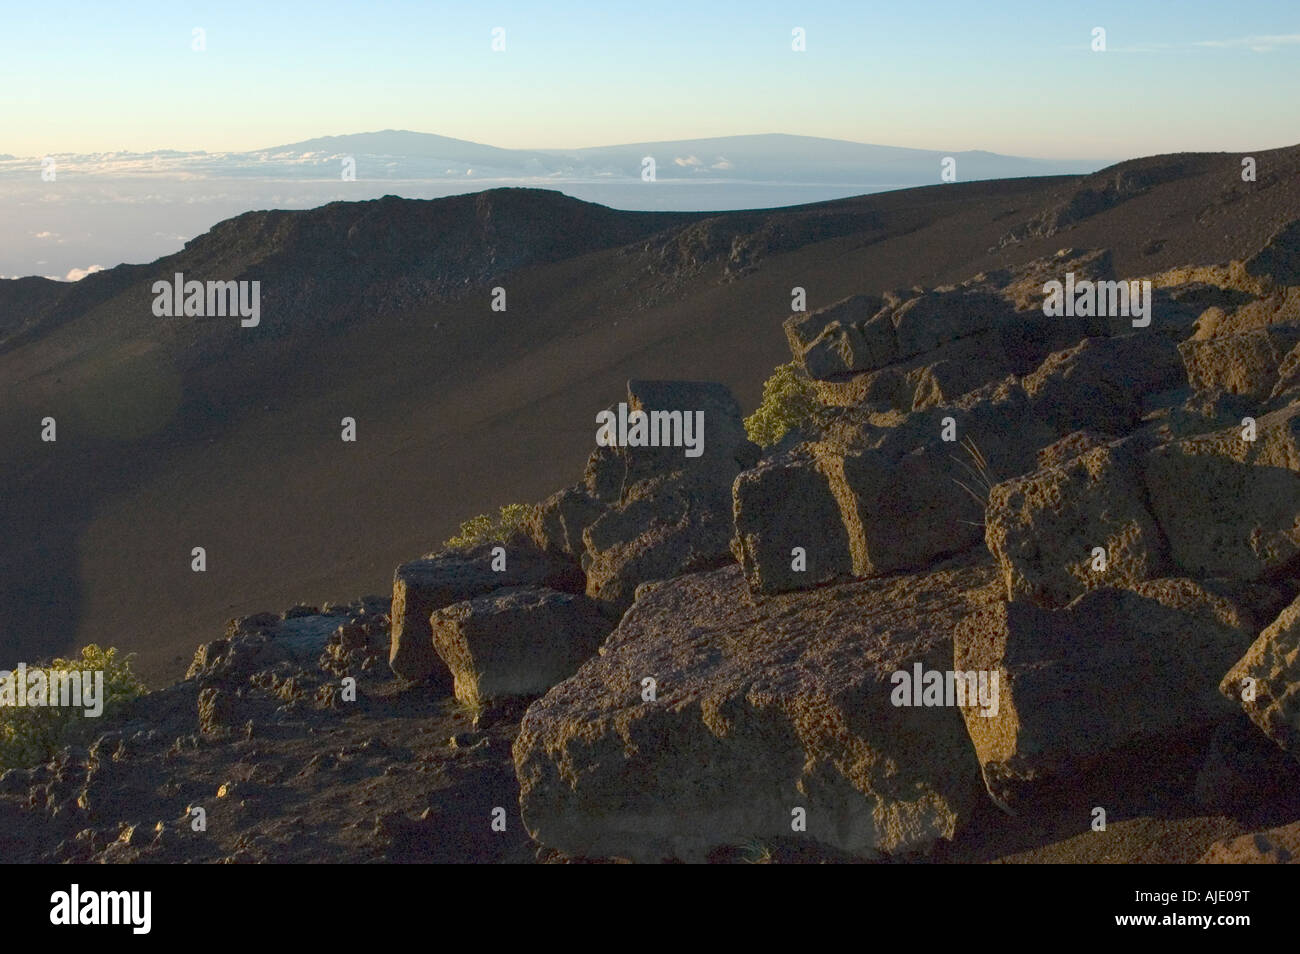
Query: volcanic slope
<point x="185" y="432"/>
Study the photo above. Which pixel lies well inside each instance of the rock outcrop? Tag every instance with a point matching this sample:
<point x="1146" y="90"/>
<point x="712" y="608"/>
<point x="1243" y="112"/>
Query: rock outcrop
<point x="515" y="642"/>
<point x="645" y="513"/>
<point x="906" y="494"/>
<point x="1230" y="506"/>
<point x="1266" y="681"/>
<point x="423" y="586"/>
<point x="763" y="712"/>
<point x="789" y="531"/>
<point x="1100" y="695"/>
<point x="1046" y="528"/>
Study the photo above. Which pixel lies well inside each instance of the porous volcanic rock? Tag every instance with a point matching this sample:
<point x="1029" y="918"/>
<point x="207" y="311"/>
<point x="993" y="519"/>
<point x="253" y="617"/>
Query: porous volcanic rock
<point x="908" y="495"/>
<point x="848" y="336"/>
<point x="782" y="504"/>
<point x="664" y="513"/>
<point x="1043" y="527"/>
<point x="1094" y="696"/>
<point x="1272" y="664"/>
<point x="517" y="641"/>
<point x="1230" y="507"/>
<point x="1100" y="382"/>
<point x="1246" y="363"/>
<point x="428" y="584"/>
<point x="762" y="707"/>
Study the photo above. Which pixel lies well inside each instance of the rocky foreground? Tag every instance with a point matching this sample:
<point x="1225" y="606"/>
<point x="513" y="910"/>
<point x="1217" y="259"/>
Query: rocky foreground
<point x="699" y="658"/>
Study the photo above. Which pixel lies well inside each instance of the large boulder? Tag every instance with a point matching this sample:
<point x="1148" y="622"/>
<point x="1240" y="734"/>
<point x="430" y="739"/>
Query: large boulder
<point x="725" y="448"/>
<point x="851" y="335"/>
<point x="428" y="584"/>
<point x="866" y="333"/>
<point x="925" y="380"/>
<point x="664" y="513"/>
<point x="557" y="523"/>
<point x="924" y="323"/>
<point x="955" y="369"/>
<point x="907" y="494"/>
<point x="675" y="525"/>
<point x="516" y="642"/>
<point x="1044" y="527"/>
<point x="1109" y="693"/>
<point x="1230" y="507"/>
<point x="1100" y="382"/>
<point x="1266" y="681"/>
<point x="907" y="351"/>
<point x="1246" y="363"/>
<point x="762" y="707"/>
<point x="783" y="505"/>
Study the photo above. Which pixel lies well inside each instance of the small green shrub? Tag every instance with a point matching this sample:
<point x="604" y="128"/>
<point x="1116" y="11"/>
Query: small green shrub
<point x="484" y="529"/>
<point x="789" y="401"/>
<point x="31" y="735"/>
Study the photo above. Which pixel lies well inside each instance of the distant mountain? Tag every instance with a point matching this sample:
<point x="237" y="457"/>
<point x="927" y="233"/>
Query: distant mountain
<point x="414" y="146"/>
<point x="401" y="154"/>
<point x="756" y="158"/>
<point x="174" y="195"/>
<point x="776" y="157"/>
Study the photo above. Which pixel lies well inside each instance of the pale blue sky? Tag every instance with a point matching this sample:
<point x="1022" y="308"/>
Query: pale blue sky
<point x="1013" y="77"/>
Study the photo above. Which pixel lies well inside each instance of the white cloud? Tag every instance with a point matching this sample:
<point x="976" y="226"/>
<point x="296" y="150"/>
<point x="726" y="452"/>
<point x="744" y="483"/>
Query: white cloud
<point x="1259" y="44"/>
<point x="688" y="161"/>
<point x="77" y="274"/>
<point x="1265" y="43"/>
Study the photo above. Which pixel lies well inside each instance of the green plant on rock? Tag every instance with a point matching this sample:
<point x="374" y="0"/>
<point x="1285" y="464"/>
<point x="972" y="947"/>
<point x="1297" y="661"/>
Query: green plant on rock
<point x="485" y="529"/>
<point x="789" y="401"/>
<point x="32" y="735"/>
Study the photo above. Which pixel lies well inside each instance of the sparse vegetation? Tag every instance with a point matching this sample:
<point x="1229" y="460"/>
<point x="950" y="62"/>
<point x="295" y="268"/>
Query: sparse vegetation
<point x="469" y="698"/>
<point x="484" y="528"/>
<point x="789" y="401"/>
<point x="32" y="735"/>
<point x="981" y="479"/>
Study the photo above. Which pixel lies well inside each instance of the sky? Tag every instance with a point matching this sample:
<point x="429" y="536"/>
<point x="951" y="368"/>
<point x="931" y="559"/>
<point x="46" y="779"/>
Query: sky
<point x="1016" y="77"/>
